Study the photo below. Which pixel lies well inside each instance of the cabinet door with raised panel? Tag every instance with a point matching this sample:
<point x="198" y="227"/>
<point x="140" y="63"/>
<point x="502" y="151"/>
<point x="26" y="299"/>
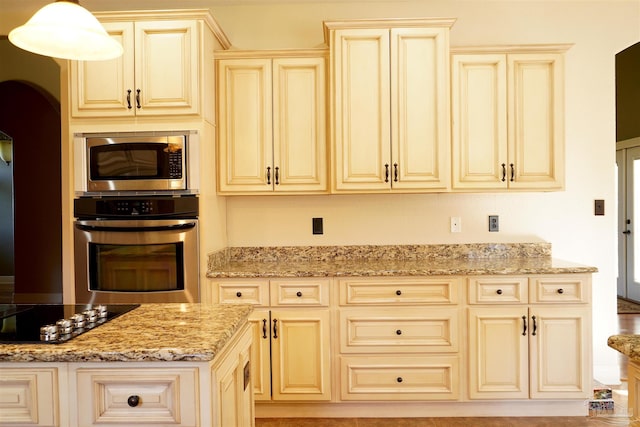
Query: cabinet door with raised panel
<point x="105" y="88"/>
<point x="536" y="125"/>
<point x="361" y="131"/>
<point x="261" y="354"/>
<point x="419" y="108"/>
<point x="300" y="352"/>
<point x="560" y="352"/>
<point x="245" y="135"/>
<point x="498" y="353"/>
<point x="479" y="118"/>
<point x="299" y="124"/>
<point x="167" y="67"/>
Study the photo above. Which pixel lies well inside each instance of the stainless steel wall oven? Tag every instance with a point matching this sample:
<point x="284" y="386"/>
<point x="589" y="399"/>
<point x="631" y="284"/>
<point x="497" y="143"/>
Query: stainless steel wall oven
<point x="136" y="249"/>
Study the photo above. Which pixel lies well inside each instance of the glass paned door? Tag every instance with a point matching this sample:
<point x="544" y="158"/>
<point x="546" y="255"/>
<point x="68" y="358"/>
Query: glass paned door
<point x="628" y="161"/>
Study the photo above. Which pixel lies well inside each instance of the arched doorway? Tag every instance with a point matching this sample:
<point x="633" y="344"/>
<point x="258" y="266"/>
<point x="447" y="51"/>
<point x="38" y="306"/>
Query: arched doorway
<point x="32" y="117"/>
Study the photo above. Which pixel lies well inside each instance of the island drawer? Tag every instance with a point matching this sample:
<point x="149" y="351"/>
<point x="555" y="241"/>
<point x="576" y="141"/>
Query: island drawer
<point x="498" y="290"/>
<point x="393" y="378"/>
<point x="566" y="288"/>
<point x="134" y="396"/>
<point x="297" y="292"/>
<point x="399" y="291"/>
<point x="29" y="397"/>
<point x="244" y="292"/>
<point x="410" y="330"/>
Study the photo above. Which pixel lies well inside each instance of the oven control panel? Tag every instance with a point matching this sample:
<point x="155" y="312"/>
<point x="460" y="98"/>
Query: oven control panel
<point x="139" y="207"/>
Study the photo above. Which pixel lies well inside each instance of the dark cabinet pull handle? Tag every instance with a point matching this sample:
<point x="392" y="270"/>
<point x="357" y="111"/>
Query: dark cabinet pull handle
<point x="398" y="332"/>
<point x="398" y="292"/>
<point x="269" y="175"/>
<point x="395" y="172"/>
<point x="298" y="294"/>
<point x="513" y="172"/>
<point x="504" y="172"/>
<point x="133" y="401"/>
<point x="386" y="172"/>
<point x="561" y="291"/>
<point x="129" y="99"/>
<point x="138" y="98"/>
<point x="275" y="328"/>
<point x="277" y="175"/>
<point x="524" y="325"/>
<point x="264" y="328"/>
<point x="499" y="292"/>
<point x="399" y="379"/>
<point x="238" y="294"/>
<point x="535" y="325"/>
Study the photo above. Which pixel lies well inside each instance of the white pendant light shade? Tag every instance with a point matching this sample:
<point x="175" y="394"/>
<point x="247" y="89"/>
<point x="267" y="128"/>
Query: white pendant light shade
<point x="66" y="30"/>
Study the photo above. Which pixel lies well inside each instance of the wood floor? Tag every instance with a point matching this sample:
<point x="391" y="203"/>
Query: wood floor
<point x="627" y="324"/>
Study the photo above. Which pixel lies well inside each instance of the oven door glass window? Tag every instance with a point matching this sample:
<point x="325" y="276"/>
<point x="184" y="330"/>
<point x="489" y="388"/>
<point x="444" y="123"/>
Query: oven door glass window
<point x="136" y="268"/>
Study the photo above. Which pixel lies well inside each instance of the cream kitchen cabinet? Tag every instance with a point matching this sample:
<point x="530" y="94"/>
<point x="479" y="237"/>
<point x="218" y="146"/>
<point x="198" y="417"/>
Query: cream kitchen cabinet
<point x="159" y="74"/>
<point x="508" y="118"/>
<point x="399" y="339"/>
<point x="390" y="105"/>
<point x="272" y="122"/>
<point x="30" y="397"/>
<point x="291" y="329"/>
<point x="529" y="338"/>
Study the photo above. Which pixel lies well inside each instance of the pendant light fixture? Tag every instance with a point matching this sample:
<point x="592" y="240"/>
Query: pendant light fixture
<point x="66" y="30"/>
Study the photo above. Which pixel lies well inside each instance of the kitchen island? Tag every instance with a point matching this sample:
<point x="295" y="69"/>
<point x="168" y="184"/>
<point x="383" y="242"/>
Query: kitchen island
<point x="164" y="364"/>
<point x="422" y="330"/>
<point x="629" y="345"/>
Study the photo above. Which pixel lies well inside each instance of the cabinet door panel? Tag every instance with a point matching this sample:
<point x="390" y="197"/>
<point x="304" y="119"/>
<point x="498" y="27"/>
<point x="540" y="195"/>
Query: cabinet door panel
<point x="560" y="356"/>
<point x="301" y="357"/>
<point x="498" y="353"/>
<point x="99" y="88"/>
<point x="29" y="397"/>
<point x="419" y="107"/>
<point x="299" y="124"/>
<point x="261" y="355"/>
<point x="479" y="131"/>
<point x="536" y="128"/>
<point x="172" y="47"/>
<point x="244" y="125"/>
<point x="361" y="117"/>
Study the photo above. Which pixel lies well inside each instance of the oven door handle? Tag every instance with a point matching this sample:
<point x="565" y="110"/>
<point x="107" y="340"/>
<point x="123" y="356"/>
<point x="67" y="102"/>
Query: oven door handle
<point x="173" y="227"/>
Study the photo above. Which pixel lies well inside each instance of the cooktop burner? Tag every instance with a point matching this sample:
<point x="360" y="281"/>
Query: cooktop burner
<point x="54" y="323"/>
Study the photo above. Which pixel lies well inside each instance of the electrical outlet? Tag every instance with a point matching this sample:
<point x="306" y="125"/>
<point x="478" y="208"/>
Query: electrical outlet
<point x="599" y="207"/>
<point x="456" y="224"/>
<point x="494" y="224"/>
<point x="316" y="226"/>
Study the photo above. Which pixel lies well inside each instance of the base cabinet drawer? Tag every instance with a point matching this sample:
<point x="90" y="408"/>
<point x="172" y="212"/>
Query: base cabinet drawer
<point x="29" y="397"/>
<point x="131" y="397"/>
<point x="394" y="378"/>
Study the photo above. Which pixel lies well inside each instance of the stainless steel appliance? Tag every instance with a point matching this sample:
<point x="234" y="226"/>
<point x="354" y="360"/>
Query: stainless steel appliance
<point x="53" y="323"/>
<point x="139" y="162"/>
<point x="136" y="249"/>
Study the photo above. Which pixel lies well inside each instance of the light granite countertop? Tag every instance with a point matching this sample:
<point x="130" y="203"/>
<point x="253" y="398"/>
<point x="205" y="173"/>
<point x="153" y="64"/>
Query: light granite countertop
<point x="151" y="332"/>
<point x="629" y="345"/>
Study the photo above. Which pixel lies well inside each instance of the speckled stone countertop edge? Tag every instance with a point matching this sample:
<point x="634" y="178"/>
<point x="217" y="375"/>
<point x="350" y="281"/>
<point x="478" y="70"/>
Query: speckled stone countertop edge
<point x="150" y="333"/>
<point x="629" y="345"/>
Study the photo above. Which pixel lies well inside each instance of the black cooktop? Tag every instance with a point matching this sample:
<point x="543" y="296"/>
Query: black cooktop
<point x="53" y="323"/>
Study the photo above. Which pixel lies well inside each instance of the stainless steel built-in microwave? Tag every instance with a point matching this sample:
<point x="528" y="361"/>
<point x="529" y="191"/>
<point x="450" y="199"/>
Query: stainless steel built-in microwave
<point x="136" y="163"/>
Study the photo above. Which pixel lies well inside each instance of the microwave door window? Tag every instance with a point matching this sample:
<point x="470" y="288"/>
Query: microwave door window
<point x="136" y="268"/>
<point x="126" y="164"/>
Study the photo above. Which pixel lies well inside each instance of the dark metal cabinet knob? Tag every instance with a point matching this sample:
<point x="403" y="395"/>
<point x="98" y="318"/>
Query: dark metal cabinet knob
<point x="398" y="292"/>
<point x="238" y="294"/>
<point x="399" y="332"/>
<point x="133" y="401"/>
<point x="399" y="379"/>
<point x="499" y="292"/>
<point x="298" y="294"/>
<point x="561" y="291"/>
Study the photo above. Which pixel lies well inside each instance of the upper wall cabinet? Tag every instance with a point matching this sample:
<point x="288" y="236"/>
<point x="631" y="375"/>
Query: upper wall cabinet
<point x="508" y="112"/>
<point x="161" y="72"/>
<point x="272" y="122"/>
<point x="390" y="104"/>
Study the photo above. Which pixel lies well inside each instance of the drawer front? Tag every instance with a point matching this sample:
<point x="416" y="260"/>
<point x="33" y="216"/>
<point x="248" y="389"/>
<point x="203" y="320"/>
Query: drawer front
<point x="560" y="289"/>
<point x="256" y="293"/>
<point x="399" y="291"/>
<point x="164" y="397"/>
<point x="410" y="330"/>
<point x="29" y="397"/>
<point x="393" y="378"/>
<point x="300" y="292"/>
<point x="498" y="290"/>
